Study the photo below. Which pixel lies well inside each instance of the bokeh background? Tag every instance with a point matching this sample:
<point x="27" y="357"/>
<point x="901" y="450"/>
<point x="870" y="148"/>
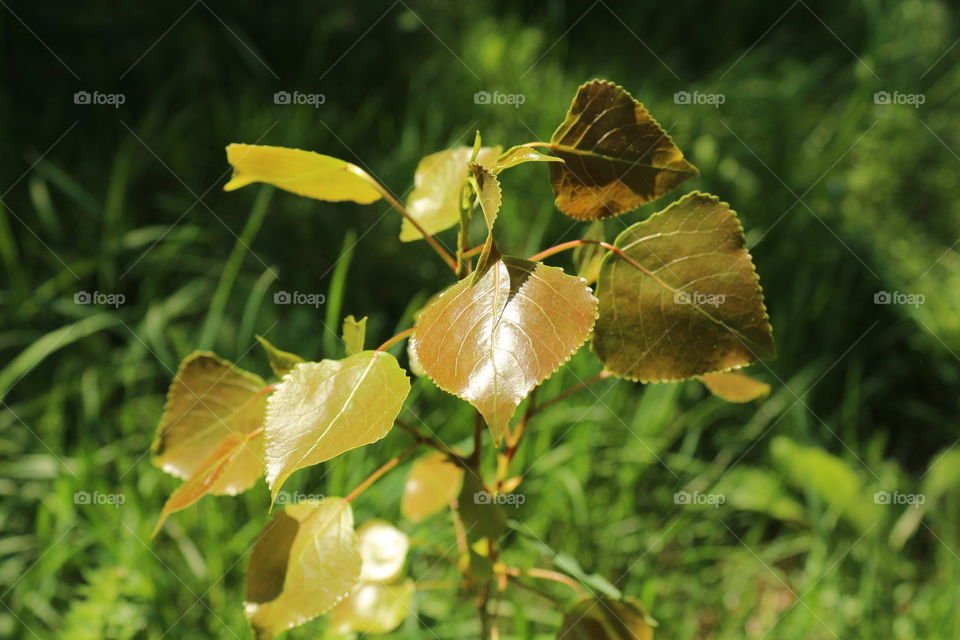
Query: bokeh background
<point x="841" y="194"/>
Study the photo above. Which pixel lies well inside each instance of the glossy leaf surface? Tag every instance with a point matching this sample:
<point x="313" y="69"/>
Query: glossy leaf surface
<point x="520" y="155"/>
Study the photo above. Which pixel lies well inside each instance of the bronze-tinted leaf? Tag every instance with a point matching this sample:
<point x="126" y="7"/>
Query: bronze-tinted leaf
<point x="686" y="302"/>
<point x="735" y="387"/>
<point x="303" y="564"/>
<point x="603" y="618"/>
<point x="616" y="156"/>
<point x="209" y="399"/>
<point x="435" y="201"/>
<point x="322" y="409"/>
<point x="280" y="361"/>
<point x="433" y="482"/>
<point x="492" y="342"/>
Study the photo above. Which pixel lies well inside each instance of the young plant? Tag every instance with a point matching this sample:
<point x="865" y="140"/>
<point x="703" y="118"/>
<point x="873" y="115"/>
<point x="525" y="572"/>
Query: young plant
<point x="677" y="297"/>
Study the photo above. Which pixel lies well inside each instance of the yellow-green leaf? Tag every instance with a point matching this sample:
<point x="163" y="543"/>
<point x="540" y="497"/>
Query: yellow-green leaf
<point x="322" y="409"/>
<point x="235" y="460"/>
<point x="354" y="334"/>
<point x="616" y="156"/>
<point x="492" y="342"/>
<point x="487" y="189"/>
<point x="685" y="301"/>
<point x="304" y="173"/>
<point x="209" y="399"/>
<point x="603" y="618"/>
<point x="519" y="155"/>
<point x="280" y="361"/>
<point x="435" y="201"/>
<point x="383" y="549"/>
<point x="373" y="608"/>
<point x="734" y="387"/>
<point x="434" y="481"/>
<point x="304" y="563"/>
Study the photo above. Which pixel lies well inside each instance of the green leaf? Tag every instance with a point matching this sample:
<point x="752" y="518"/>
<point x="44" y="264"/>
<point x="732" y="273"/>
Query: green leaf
<point x="492" y="342"/>
<point x="374" y="608"/>
<point x="587" y="258"/>
<point x="519" y="155"/>
<point x="734" y="386"/>
<point x="435" y="201"/>
<point x="753" y="489"/>
<point x="434" y="481"/>
<point x="303" y="564"/>
<point x="354" y="334"/>
<point x="685" y="301"/>
<point x="280" y="361"/>
<point x="482" y="517"/>
<point x="209" y="400"/>
<point x="304" y="173"/>
<point x="383" y="549"/>
<point x="616" y="156"/>
<point x="322" y="409"/>
<point x="487" y="188"/>
<point x="602" y="618"/>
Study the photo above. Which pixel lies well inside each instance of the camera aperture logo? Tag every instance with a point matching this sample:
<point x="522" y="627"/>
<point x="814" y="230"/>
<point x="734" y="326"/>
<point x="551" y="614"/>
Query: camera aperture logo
<point x="897" y="297"/>
<point x="512" y="499"/>
<point x="96" y="98"/>
<point x="696" y="97"/>
<point x="296" y="497"/>
<point x="113" y="499"/>
<point x="312" y="299"/>
<point x="886" y="497"/>
<point x="711" y="499"/>
<point x="912" y="99"/>
<point x="95" y="297"/>
<point x="485" y="97"/>
<point x="296" y="97"/>
<point x="699" y="299"/>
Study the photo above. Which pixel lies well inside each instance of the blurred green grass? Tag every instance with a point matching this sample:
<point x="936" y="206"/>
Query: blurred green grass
<point x="97" y="199"/>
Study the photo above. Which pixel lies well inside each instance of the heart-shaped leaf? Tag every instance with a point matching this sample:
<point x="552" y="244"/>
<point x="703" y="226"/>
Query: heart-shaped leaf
<point x="304" y="173"/>
<point x="734" y="387"/>
<point x="322" y="409"/>
<point x="492" y="342"/>
<point x="685" y="301"/>
<point x="434" y="481"/>
<point x="209" y="400"/>
<point x="303" y="564"/>
<point x="435" y="201"/>
<point x="616" y="156"/>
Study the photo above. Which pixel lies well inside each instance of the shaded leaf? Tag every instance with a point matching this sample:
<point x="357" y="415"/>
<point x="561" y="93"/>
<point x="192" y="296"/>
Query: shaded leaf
<point x="239" y="457"/>
<point x="208" y="400"/>
<point x="433" y="482"/>
<point x="322" y="409"/>
<point x="280" y="361"/>
<point x="492" y="342"/>
<point x="587" y="258"/>
<point x="373" y="608"/>
<point x="686" y="302"/>
<point x="752" y="489"/>
<point x="383" y="549"/>
<point x="303" y="564"/>
<point x="354" y="334"/>
<point x="734" y="386"/>
<point x="304" y="173"/>
<point x="482" y="517"/>
<point x="616" y="156"/>
<point x="519" y="155"/>
<point x="435" y="201"/>
<point x="603" y="618"/>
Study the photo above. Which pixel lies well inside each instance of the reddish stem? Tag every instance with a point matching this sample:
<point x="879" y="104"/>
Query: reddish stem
<point x="376" y="475"/>
<point x="395" y="339"/>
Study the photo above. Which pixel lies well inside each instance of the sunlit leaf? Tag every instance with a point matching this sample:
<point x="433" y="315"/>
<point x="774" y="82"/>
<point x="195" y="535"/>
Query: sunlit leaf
<point x="304" y="173"/>
<point x="435" y="201"/>
<point x="686" y="302"/>
<point x="603" y="618"/>
<point x="433" y="482"/>
<point x="587" y="258"/>
<point x="616" y="156"/>
<point x="734" y="386"/>
<point x="304" y="563"/>
<point x="354" y="334"/>
<point x="322" y="409"/>
<point x="209" y="399"/>
<point x="280" y="361"/>
<point x="482" y="516"/>
<point x="383" y="548"/>
<point x="373" y="608"/>
<point x="487" y="189"/>
<point x="492" y="342"/>
<point x="237" y="457"/>
<point x="519" y="155"/>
